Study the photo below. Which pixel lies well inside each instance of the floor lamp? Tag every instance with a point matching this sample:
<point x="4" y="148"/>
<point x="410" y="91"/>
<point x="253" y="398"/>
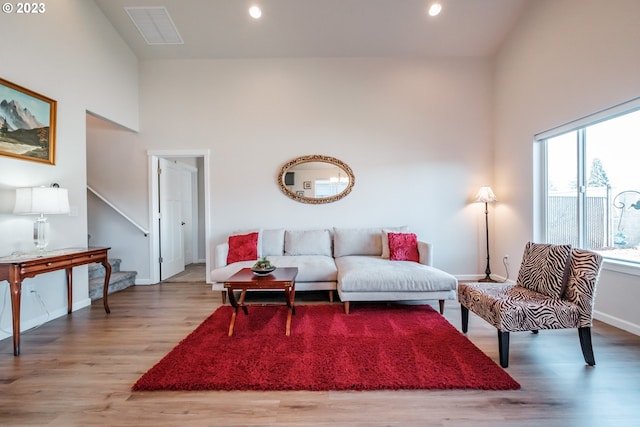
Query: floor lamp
<point x="485" y="195"/>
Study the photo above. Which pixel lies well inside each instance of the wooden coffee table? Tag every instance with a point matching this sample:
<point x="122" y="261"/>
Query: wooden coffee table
<point x="282" y="278"/>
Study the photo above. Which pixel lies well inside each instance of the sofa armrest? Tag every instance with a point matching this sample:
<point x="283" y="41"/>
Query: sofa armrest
<point x="220" y="255"/>
<point x="425" y="250"/>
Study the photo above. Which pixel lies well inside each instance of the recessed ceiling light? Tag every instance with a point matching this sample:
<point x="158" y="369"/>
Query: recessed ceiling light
<point x="255" y="12"/>
<point x="435" y="9"/>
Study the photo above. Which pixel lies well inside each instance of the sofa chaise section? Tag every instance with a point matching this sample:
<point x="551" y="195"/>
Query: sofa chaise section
<point x="366" y="271"/>
<point x="366" y="278"/>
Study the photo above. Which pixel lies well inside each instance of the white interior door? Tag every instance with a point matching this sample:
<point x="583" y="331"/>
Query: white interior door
<point x="171" y="238"/>
<point x="189" y="213"/>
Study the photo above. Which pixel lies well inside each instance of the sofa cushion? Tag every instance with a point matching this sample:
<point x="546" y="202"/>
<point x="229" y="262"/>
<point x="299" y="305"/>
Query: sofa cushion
<point x="307" y="242"/>
<point x="385" y="238"/>
<point x="311" y="268"/>
<point x="272" y="242"/>
<point x="513" y="308"/>
<point x="545" y="268"/>
<point x="357" y="241"/>
<point x="375" y="274"/>
<point x="223" y="273"/>
<point x="243" y="247"/>
<point x="403" y="247"/>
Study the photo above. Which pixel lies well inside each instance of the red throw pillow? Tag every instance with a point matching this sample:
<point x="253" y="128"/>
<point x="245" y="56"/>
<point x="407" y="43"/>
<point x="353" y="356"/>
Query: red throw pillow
<point x="243" y="247"/>
<point x="403" y="247"/>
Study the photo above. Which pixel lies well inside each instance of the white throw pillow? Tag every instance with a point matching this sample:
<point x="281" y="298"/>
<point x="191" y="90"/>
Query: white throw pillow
<point x="357" y="241"/>
<point x="273" y="242"/>
<point x="307" y="242"/>
<point x="385" y="238"/>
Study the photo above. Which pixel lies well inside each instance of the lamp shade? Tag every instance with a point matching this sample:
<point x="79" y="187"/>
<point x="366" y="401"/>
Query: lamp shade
<point x="485" y="195"/>
<point x="41" y="200"/>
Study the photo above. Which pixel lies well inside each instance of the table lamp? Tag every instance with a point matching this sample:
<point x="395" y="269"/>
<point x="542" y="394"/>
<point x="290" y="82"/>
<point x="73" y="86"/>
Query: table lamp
<point x="41" y="201"/>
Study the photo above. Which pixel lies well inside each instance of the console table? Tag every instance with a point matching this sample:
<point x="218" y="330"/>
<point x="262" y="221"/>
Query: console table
<point x="16" y="268"/>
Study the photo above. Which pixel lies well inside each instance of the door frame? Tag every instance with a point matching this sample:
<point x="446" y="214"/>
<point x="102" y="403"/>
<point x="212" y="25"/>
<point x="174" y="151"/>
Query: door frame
<point x="154" y="207"/>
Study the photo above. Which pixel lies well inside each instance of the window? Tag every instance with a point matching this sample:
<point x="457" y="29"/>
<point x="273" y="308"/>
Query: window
<point x="590" y="184"/>
<point x="330" y="187"/>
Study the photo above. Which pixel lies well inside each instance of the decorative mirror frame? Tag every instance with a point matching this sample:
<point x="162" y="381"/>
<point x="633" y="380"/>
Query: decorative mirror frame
<point x="316" y="158"/>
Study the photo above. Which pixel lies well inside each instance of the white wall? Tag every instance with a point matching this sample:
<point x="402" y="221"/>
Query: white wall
<point x="566" y="59"/>
<point x="70" y="54"/>
<point x="111" y="152"/>
<point x="415" y="132"/>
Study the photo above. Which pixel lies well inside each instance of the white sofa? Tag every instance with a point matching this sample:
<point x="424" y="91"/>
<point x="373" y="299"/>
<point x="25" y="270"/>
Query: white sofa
<point x="353" y="261"/>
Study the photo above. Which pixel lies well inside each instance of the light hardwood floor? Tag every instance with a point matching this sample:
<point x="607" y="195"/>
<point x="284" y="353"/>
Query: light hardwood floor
<point x="78" y="370"/>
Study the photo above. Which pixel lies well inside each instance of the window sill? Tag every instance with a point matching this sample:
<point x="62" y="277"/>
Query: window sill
<point x="618" y="266"/>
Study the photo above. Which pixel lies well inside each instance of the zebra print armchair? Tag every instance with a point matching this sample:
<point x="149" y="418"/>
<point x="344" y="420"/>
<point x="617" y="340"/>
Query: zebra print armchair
<point x="555" y="290"/>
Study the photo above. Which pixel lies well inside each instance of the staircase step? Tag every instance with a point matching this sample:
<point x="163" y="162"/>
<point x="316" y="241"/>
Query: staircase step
<point x="97" y="270"/>
<point x="118" y="281"/>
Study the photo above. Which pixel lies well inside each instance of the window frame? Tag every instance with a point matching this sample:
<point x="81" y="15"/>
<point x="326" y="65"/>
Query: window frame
<point x="541" y="184"/>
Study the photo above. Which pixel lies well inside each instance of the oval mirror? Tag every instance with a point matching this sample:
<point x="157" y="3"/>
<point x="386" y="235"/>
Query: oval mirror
<point x="316" y="179"/>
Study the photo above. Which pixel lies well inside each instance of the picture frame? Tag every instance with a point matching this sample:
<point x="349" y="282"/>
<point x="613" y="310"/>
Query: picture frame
<point x="27" y="124"/>
<point x="306" y="185"/>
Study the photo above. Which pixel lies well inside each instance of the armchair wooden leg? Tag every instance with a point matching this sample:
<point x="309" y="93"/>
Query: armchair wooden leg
<point x="503" y="348"/>
<point x="346" y="307"/>
<point x="441" y="304"/>
<point x="585" y="344"/>
<point x="224" y="297"/>
<point x="465" y="318"/>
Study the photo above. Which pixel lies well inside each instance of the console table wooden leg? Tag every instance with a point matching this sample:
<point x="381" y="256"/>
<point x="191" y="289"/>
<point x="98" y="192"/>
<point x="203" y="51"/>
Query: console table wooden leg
<point x="16" y="290"/>
<point x="69" y="272"/>
<point x="105" y="291"/>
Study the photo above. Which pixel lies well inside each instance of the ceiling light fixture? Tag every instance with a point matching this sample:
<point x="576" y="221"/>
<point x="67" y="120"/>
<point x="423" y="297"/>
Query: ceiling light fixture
<point x="255" y="12"/>
<point x="435" y="9"/>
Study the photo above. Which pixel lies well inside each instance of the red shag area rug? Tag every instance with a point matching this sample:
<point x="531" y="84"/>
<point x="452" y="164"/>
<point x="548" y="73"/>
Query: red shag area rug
<point x="377" y="346"/>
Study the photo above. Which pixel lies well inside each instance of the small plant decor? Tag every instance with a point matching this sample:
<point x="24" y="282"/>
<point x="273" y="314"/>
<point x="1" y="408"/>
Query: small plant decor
<point x="262" y="264"/>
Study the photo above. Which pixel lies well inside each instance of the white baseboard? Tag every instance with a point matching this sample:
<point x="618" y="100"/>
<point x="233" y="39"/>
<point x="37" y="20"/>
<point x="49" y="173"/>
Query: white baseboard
<point x="44" y="318"/>
<point x="143" y="282"/>
<point x="617" y="322"/>
<point x="80" y="304"/>
<point x="476" y="277"/>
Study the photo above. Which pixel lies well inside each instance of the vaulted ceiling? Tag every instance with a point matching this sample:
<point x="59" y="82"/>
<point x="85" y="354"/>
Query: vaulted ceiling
<point x="322" y="28"/>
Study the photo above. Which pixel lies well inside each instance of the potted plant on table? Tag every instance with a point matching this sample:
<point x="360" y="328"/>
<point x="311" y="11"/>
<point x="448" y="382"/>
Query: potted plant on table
<point x="263" y="267"/>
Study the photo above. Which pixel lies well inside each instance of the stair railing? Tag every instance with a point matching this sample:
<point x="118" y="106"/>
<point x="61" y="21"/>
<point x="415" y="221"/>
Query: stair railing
<point x="115" y="208"/>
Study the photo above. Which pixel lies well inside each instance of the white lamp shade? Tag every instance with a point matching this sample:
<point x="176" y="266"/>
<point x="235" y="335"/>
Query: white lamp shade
<point x="41" y="200"/>
<point x="485" y="195"/>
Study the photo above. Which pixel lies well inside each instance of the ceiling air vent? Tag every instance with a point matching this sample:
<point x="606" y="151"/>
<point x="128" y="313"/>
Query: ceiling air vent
<point x="155" y="25"/>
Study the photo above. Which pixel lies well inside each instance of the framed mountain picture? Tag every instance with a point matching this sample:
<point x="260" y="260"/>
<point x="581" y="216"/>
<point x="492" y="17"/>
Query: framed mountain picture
<point x="27" y="124"/>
